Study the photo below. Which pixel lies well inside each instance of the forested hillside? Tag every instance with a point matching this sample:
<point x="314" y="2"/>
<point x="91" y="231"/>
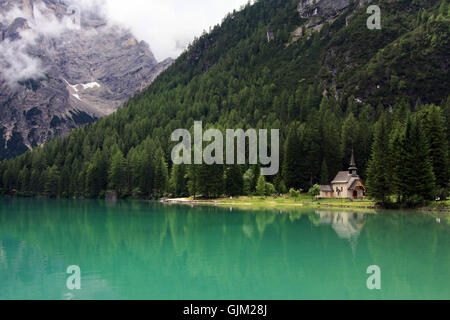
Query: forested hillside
<point x="383" y="93"/>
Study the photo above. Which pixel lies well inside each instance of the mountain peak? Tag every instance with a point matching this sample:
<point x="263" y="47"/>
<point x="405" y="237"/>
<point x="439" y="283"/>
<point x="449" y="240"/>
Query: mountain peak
<point x="56" y="75"/>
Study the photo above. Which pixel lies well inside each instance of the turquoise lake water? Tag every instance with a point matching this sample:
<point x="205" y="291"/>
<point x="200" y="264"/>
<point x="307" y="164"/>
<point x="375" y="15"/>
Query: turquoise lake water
<point x="142" y="250"/>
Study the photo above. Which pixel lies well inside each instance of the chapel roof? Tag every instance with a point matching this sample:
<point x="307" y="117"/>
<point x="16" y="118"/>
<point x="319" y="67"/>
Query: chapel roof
<point x="342" y="177"/>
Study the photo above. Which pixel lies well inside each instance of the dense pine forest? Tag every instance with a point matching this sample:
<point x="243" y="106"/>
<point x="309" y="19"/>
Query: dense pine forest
<point x="383" y="93"/>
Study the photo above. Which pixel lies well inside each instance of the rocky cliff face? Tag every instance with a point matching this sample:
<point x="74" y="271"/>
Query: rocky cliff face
<point x="317" y="12"/>
<point x="60" y="69"/>
<point x="322" y="8"/>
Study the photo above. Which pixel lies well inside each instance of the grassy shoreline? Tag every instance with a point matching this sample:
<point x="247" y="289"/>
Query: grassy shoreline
<point x="283" y="203"/>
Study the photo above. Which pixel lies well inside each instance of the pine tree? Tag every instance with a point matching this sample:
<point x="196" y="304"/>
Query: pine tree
<point x="134" y="163"/>
<point x="283" y="105"/>
<point x="210" y="180"/>
<point x="52" y="181"/>
<point x="192" y="176"/>
<point x="96" y="175"/>
<point x="434" y="128"/>
<point x="293" y="164"/>
<point x="293" y="110"/>
<point x="249" y="177"/>
<point x="413" y="173"/>
<point x="161" y="173"/>
<point x="446" y="111"/>
<point x="8" y="180"/>
<point x="118" y="172"/>
<point x="261" y="186"/>
<point x="234" y="182"/>
<point x="324" y="178"/>
<point x="35" y="179"/>
<point x="146" y="168"/>
<point x="362" y="154"/>
<point x="310" y="152"/>
<point x="379" y="170"/>
<point x="24" y="179"/>
<point x="177" y="182"/>
<point x="256" y="169"/>
<point x="330" y="149"/>
<point x="402" y="111"/>
<point x="312" y="99"/>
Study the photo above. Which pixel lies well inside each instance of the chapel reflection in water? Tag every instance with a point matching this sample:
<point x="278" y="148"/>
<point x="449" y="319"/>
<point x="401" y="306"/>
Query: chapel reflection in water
<point x="347" y="225"/>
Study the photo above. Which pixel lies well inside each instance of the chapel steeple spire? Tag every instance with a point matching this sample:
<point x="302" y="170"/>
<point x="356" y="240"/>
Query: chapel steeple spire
<point x="353" y="170"/>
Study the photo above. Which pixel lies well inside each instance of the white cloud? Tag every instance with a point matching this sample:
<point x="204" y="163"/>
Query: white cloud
<point x="166" y="25"/>
<point x="16" y="62"/>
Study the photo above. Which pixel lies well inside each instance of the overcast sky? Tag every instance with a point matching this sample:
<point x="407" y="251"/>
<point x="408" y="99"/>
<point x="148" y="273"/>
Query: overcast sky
<point x="168" y="25"/>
